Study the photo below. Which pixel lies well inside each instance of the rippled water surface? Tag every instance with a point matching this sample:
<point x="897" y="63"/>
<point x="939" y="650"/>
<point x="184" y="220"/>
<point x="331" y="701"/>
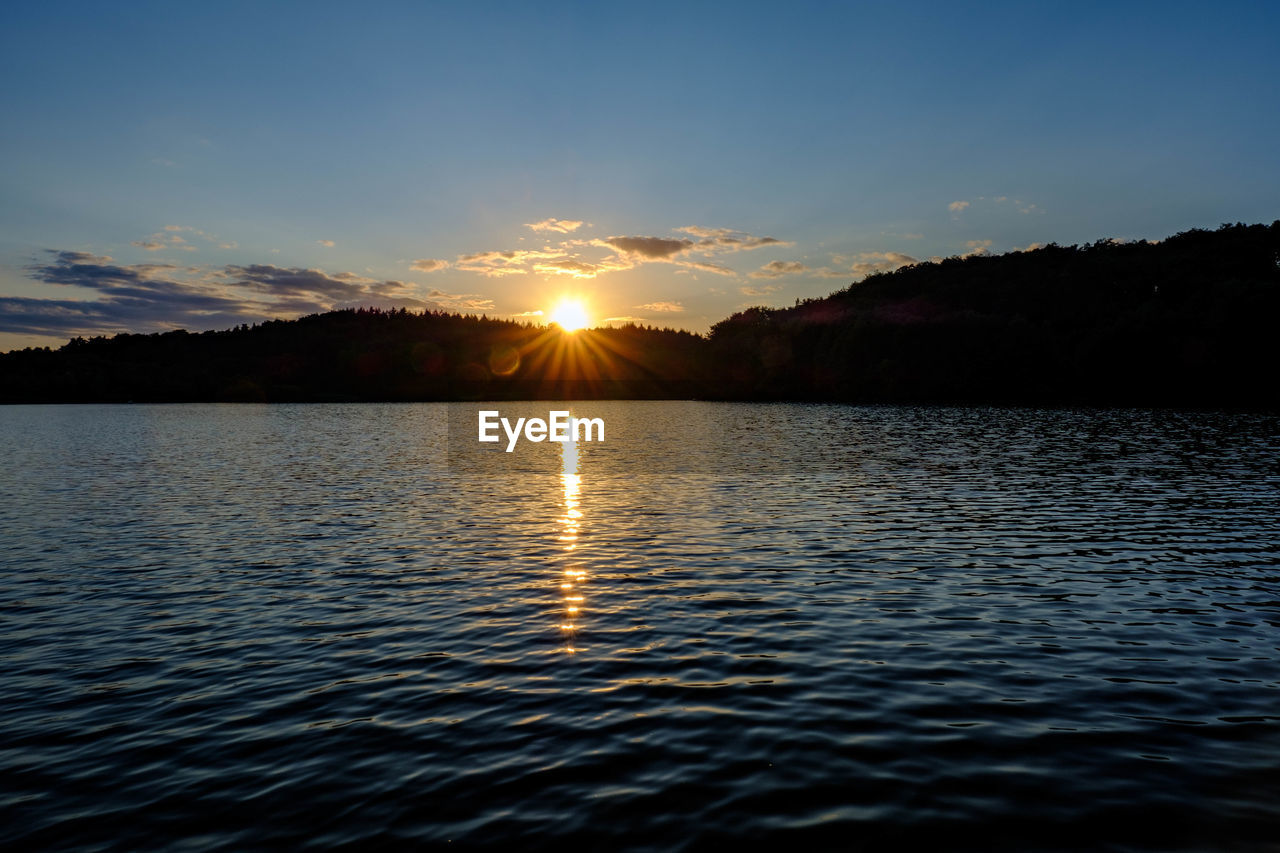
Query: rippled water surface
<point x="241" y="627"/>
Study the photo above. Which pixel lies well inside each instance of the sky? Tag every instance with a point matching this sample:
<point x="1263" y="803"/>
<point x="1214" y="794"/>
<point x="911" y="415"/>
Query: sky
<point x="199" y="166"/>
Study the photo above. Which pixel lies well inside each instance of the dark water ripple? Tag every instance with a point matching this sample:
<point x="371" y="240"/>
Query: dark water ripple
<point x="242" y="627"/>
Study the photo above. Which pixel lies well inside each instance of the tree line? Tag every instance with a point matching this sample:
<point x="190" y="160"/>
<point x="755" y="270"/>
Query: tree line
<point x="1189" y="320"/>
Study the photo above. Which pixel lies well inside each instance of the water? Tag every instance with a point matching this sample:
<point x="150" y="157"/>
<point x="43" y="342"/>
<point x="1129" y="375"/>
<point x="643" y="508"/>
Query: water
<point x="241" y="627"/>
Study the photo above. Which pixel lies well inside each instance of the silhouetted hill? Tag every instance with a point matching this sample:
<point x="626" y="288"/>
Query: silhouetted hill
<point x="361" y="354"/>
<point x="1187" y="321"/>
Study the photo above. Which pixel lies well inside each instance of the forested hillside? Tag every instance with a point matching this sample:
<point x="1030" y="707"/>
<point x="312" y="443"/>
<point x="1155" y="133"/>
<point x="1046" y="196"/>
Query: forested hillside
<point x="1186" y="321"/>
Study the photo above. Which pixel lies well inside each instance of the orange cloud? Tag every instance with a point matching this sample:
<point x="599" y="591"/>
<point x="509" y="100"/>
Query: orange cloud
<point x="561" y="226"/>
<point x="650" y="248"/>
<point x="777" y="269"/>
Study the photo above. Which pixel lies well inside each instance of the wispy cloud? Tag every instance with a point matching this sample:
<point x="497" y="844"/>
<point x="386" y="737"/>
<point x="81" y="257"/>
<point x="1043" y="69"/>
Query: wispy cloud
<point x="499" y="263"/>
<point x="562" y="226"/>
<point x="299" y="281"/>
<point x="710" y="241"/>
<point x="864" y="264"/>
<point x="706" y="266"/>
<point x="762" y="290"/>
<point x="161" y="296"/>
<point x="550" y="260"/>
<point x="662" y="307"/>
<point x="170" y="238"/>
<point x="728" y="239"/>
<point x="592" y="257"/>
<point x="871" y="262"/>
<point x="160" y="241"/>
<point x="429" y="265"/>
<point x="777" y="269"/>
<point x="650" y="248"/>
<point x="1021" y="206"/>
<point x="459" y="301"/>
<point x="138" y="297"/>
<point x="328" y="244"/>
<point x="570" y="266"/>
<point x="709" y="233"/>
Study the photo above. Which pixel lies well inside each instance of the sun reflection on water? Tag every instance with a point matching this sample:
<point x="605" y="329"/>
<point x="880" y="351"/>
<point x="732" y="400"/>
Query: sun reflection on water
<point x="574" y="576"/>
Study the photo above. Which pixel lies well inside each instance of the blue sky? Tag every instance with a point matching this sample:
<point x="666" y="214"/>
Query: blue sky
<point x="174" y="165"/>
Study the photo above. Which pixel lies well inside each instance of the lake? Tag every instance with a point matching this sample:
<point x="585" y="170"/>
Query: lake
<point x="238" y="627"/>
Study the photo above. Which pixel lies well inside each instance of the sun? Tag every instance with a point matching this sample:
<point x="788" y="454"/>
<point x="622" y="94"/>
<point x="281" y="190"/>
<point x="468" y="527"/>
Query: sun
<point x="570" y="315"/>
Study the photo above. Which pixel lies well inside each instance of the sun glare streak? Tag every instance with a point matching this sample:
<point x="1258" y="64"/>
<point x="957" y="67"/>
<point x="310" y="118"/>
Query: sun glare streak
<point x="570" y="315"/>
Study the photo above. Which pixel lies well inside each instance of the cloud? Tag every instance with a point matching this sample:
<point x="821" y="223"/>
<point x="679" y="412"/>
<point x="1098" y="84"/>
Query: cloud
<point x="650" y="248"/>
<point x="727" y="239"/>
<point x="777" y="269"/>
<point x="159" y="296"/>
<point x="141" y="297"/>
<point x="494" y="264"/>
<point x="625" y="319"/>
<point x="1021" y="206"/>
<point x="549" y="260"/>
<point x="711" y="241"/>
<point x="328" y="244"/>
<point x="170" y="237"/>
<point x="537" y="313"/>
<point x="764" y="290"/>
<point x="864" y="264"/>
<point x="70" y="317"/>
<point x="872" y="262"/>
<point x="562" y="226"/>
<point x="569" y="266"/>
<point x="293" y="281"/>
<point x="712" y="233"/>
<point x="157" y="242"/>
<point x="589" y="258"/>
<point x="428" y="264"/>
<point x="706" y="267"/>
<point x="977" y="247"/>
<point x="662" y="307"/>
<point x="1030" y="248"/>
<point x="460" y="301"/>
<point x="746" y="243"/>
<point x="95" y="272"/>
